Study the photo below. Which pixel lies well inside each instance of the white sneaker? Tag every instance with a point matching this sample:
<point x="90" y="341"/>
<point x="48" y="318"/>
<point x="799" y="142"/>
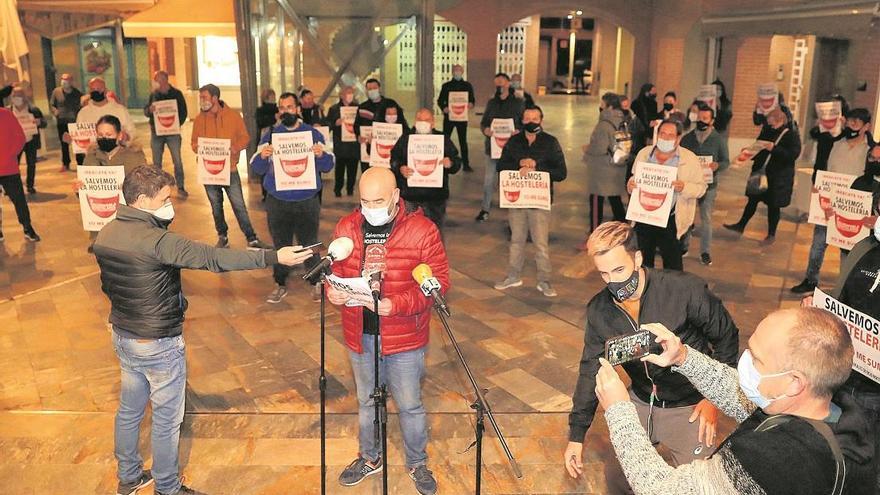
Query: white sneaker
<point x="508" y="283"/>
<point x="547" y="289"/>
<point x="277" y="295"/>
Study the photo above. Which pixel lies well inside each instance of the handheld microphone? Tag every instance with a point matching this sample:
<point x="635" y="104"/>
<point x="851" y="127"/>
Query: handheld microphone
<point x="430" y="287"/>
<point x="338" y="250"/>
<point x="376" y="284"/>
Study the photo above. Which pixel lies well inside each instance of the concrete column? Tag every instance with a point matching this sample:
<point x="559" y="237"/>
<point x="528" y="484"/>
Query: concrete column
<point x="425" y="54"/>
<point x="247" y="67"/>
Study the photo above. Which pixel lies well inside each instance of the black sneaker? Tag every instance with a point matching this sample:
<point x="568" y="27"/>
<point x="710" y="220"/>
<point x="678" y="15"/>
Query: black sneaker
<point x="467" y="168"/>
<point x="805" y="286"/>
<point x="256" y="243"/>
<point x="146" y="479"/>
<point x="222" y="241"/>
<point x="424" y="480"/>
<point x="31" y="235"/>
<point x="482" y="216"/>
<point x="358" y="470"/>
<point x="183" y="490"/>
<point x="31" y="190"/>
<point x="738" y="228"/>
<point x="705" y="259"/>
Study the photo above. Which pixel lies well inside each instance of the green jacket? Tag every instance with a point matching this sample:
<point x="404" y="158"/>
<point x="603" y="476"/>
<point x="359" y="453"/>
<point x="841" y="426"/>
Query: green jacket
<point x="125" y="156"/>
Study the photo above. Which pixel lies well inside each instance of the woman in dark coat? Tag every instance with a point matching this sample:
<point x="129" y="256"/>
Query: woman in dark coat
<point x="724" y="112"/>
<point x="645" y="105"/>
<point x="782" y="149"/>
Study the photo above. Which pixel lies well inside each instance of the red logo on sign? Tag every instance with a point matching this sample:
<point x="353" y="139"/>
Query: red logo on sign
<point x="651" y="201"/>
<point x="83" y="143"/>
<point x="426" y="167"/>
<point x="349" y="126"/>
<point x="512" y="195"/>
<point x="295" y="168"/>
<point x="214" y="167"/>
<point x="383" y="150"/>
<point x="458" y="109"/>
<point x="103" y="207"/>
<point x="767" y="103"/>
<point x="501" y="141"/>
<point x="166" y="120"/>
<point x="848" y="227"/>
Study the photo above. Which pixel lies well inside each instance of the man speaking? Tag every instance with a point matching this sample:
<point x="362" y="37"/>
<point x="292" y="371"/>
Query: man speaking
<point x="390" y="240"/>
<point x="140" y="263"/>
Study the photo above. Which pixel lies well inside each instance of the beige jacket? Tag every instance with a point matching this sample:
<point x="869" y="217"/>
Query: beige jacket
<point x="691" y="173"/>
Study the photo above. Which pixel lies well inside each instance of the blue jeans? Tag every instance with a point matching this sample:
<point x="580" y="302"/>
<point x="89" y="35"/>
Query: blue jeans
<point x="817" y="253"/>
<point x="236" y="198"/>
<point x="402" y="373"/>
<point x="158" y="143"/>
<point x="155" y="371"/>
<point x="707" y="204"/>
<point x="490" y="184"/>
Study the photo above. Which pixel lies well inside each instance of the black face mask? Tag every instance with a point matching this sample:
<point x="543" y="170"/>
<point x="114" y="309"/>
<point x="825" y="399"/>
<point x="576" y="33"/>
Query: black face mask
<point x="667" y="106"/>
<point x="652" y="96"/>
<point x="289" y="119"/>
<point x="625" y="113"/>
<point x="532" y="127"/>
<point x="872" y="168"/>
<point x="850" y="133"/>
<point x="702" y="126"/>
<point x="621" y="291"/>
<point x="106" y="144"/>
<point x="97" y="96"/>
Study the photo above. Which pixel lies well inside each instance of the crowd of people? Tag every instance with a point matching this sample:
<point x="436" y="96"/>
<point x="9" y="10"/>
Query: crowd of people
<point x="801" y="421"/>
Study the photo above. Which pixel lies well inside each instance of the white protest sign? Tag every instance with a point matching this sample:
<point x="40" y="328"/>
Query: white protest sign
<point x="863" y="329"/>
<point x="847" y="227"/>
<point x="385" y="136"/>
<point x="366" y="133"/>
<point x="458" y="106"/>
<point x="348" y="114"/>
<point x="27" y="123"/>
<point x="708" y="173"/>
<point x="531" y="191"/>
<point x="820" y="200"/>
<point x="829" y="114"/>
<point x="768" y="98"/>
<point x="502" y="129"/>
<point x="357" y="290"/>
<point x="212" y="160"/>
<point x="293" y="161"/>
<point x="425" y="158"/>
<point x="82" y="135"/>
<point x="749" y="152"/>
<point x="166" y="120"/>
<point x="325" y="131"/>
<point x="651" y="200"/>
<point x="708" y="94"/>
<point x="100" y="195"/>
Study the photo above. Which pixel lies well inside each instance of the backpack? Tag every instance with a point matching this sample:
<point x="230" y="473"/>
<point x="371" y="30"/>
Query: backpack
<point x="622" y="147"/>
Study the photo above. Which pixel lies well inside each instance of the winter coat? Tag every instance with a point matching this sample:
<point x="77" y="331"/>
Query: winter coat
<point x="604" y="178"/>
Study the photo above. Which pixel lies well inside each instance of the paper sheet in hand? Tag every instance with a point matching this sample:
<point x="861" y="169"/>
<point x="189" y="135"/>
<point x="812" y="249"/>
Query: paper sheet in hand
<point x="820" y="201"/>
<point x="385" y="136"/>
<point x="213" y="161"/>
<point x="348" y="114"/>
<point x="708" y="173"/>
<point x="293" y="161"/>
<point x="846" y="227"/>
<point x="864" y="330"/>
<point x="651" y="200"/>
<point x="357" y="290"/>
<point x="458" y="106"/>
<point x="531" y="191"/>
<point x="82" y="135"/>
<point x="502" y="129"/>
<point x="425" y="158"/>
<point x="100" y="196"/>
<point x="165" y="118"/>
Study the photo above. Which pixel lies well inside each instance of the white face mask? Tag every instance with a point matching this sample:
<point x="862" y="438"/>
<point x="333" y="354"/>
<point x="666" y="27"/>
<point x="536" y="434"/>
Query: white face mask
<point x="665" y="145"/>
<point x="164" y="212"/>
<point x="423" y="127"/>
<point x="391" y="119"/>
<point x="17" y="101"/>
<point x="379" y="216"/>
<point x="373" y="94"/>
<point x="206" y="105"/>
<point x="347" y="99"/>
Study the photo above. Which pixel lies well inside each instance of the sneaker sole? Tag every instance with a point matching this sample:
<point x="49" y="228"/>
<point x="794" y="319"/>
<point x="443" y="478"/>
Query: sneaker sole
<point x="371" y="473"/>
<point x="505" y="287"/>
<point x="139" y="487"/>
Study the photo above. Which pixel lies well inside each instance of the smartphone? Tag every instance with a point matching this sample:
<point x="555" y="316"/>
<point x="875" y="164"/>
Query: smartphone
<point x="629" y="347"/>
<point x="313" y="246"/>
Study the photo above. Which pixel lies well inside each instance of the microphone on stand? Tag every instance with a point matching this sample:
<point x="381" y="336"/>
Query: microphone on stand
<point x="338" y="250"/>
<point x="376" y="284"/>
<point x="430" y="287"/>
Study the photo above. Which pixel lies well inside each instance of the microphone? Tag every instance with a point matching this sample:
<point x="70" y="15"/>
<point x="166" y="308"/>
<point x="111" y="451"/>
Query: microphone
<point x="376" y="284"/>
<point x="430" y="287"/>
<point x="338" y="250"/>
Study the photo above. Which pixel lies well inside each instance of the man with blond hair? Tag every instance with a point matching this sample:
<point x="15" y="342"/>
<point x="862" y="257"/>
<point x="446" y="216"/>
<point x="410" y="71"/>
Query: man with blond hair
<point x="675" y="413"/>
<point x="794" y="435"/>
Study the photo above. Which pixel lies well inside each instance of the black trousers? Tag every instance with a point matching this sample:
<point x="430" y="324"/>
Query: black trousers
<point x="65" y="147"/>
<point x="11" y="184"/>
<point x="30" y="156"/>
<point x="666" y="239"/>
<point x="346" y="172"/>
<point x="773" y="213"/>
<point x="461" y="128"/>
<point x="434" y="210"/>
<point x="289" y="220"/>
<point x="597" y="208"/>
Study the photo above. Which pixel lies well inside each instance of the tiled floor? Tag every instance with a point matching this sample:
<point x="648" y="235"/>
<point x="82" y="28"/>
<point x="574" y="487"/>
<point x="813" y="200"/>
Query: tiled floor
<point x="252" y="398"/>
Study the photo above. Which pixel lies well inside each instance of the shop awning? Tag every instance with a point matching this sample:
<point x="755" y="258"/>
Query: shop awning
<point x="101" y="7"/>
<point x="837" y="19"/>
<point x="182" y="19"/>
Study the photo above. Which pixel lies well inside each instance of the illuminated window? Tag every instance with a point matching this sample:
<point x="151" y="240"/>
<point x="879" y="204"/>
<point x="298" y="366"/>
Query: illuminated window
<point x="218" y="60"/>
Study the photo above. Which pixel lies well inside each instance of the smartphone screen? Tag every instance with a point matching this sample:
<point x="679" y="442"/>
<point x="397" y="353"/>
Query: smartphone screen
<point x="626" y="348"/>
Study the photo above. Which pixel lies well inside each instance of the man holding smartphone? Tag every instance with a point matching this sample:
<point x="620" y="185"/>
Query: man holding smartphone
<point x="671" y="409"/>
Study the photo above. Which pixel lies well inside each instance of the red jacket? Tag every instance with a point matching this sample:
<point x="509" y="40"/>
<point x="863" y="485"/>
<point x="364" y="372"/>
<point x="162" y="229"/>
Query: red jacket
<point x="414" y="240"/>
<point x="12" y="140"/>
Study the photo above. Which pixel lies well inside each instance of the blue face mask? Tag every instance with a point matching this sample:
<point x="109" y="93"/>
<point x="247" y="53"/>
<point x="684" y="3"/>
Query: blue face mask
<point x="750" y="378"/>
<point x="381" y="215"/>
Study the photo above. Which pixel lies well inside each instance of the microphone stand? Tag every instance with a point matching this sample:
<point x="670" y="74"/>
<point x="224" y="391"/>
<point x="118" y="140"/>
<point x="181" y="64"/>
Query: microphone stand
<point x="322" y="386"/>
<point x="380" y="420"/>
<point x="482" y="410"/>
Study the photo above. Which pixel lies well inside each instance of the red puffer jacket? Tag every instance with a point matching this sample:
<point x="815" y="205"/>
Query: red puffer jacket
<point x="11" y="143"/>
<point x="414" y="240"/>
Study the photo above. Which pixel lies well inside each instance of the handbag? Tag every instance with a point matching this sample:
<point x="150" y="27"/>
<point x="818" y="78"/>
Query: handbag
<point x="757" y="183"/>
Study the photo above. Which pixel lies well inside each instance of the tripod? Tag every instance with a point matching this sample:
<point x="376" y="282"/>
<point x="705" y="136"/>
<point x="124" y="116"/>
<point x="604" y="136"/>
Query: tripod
<point x="379" y="396"/>
<point x="482" y="410"/>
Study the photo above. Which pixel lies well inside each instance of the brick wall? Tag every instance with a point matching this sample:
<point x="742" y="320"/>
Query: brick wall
<point x="752" y="61"/>
<point x="669" y="60"/>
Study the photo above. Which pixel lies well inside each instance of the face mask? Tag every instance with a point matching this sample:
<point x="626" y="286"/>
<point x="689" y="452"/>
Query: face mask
<point x="665" y="145"/>
<point x="17" y="101"/>
<point x="423" y="127"/>
<point x="457" y="76"/>
<point x="373" y="94"/>
<point x="164" y="212"/>
<point x="347" y="99"/>
<point x="692" y="116"/>
<point x="289" y="119"/>
<point x="621" y="291"/>
<point x="702" y="126"/>
<point x="391" y="119"/>
<point x="269" y="102"/>
<point x="65" y="84"/>
<point x="850" y="133"/>
<point x="667" y="106"/>
<point x="106" y="144"/>
<point x="206" y="105"/>
<point x="97" y="96"/>
<point x="625" y="113"/>
<point x="872" y="168"/>
<point x="750" y="378"/>
<point x="378" y="216"/>
<point x="532" y="127"/>
<point x="515" y="84"/>
<point x="652" y="96"/>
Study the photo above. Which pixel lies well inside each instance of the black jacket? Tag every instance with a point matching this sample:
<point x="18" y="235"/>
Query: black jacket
<point x="646" y="110"/>
<point x="313" y="116"/>
<point x="140" y="263"/>
<point x="780" y="165"/>
<point x="374" y="111"/>
<point x="496" y="108"/>
<point x="546" y="152"/>
<point x="399" y="158"/>
<point x="824" y="143"/>
<point x="453" y="85"/>
<point x="345" y="151"/>
<point x="265" y="116"/>
<point x="172" y="94"/>
<point x="685" y="305"/>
